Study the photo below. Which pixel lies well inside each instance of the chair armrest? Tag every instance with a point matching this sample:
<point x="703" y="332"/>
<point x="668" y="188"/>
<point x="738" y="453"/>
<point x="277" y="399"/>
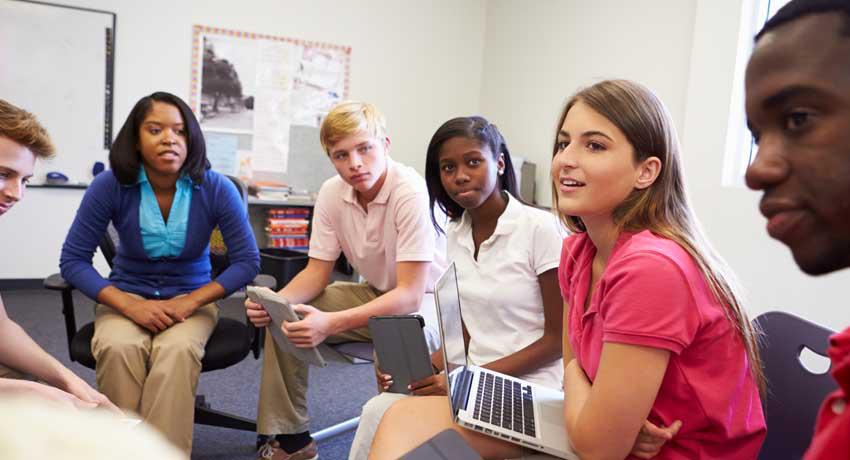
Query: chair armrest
<point x="263" y="280"/>
<point x="55" y="282"/>
<point x="259" y="333"/>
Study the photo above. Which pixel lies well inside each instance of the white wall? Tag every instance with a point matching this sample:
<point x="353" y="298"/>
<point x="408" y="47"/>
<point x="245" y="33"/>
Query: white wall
<point x="538" y="53"/>
<point x="420" y="62"/>
<point x="730" y="215"/>
<point x="424" y="62"/>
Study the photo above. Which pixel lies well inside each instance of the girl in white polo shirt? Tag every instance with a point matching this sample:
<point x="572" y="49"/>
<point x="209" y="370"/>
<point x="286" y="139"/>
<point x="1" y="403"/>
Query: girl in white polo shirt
<point x="506" y="254"/>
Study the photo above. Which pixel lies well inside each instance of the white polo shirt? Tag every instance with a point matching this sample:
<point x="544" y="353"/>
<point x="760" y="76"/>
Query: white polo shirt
<point x="396" y="228"/>
<point x="500" y="298"/>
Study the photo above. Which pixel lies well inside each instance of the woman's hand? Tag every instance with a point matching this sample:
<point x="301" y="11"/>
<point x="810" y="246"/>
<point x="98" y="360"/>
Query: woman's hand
<point x="152" y="315"/>
<point x="180" y="308"/>
<point x="433" y="385"/>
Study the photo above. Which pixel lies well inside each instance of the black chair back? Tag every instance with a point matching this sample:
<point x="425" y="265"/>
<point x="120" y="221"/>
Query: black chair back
<point x="109" y="244"/>
<point x="218" y="251"/>
<point x="794" y="394"/>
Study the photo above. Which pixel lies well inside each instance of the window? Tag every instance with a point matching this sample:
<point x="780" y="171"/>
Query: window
<point x="740" y="148"/>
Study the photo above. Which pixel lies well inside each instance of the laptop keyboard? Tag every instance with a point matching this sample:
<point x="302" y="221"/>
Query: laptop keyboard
<point x="505" y="403"/>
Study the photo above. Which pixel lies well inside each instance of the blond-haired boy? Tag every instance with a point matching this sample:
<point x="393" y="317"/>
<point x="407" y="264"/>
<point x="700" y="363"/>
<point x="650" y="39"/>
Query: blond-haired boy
<point x="375" y="211"/>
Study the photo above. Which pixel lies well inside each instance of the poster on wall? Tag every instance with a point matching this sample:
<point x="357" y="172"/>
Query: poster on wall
<point x="250" y="89"/>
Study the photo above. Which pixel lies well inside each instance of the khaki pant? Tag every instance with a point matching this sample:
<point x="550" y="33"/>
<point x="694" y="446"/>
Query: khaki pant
<point x="283" y="385"/>
<point x="154" y="375"/>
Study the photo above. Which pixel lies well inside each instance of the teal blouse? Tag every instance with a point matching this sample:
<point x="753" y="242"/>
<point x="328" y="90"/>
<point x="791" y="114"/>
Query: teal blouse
<point x="164" y="239"/>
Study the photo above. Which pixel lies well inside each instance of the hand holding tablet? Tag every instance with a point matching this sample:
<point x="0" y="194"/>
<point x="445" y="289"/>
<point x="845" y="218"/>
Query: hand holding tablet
<point x="280" y="310"/>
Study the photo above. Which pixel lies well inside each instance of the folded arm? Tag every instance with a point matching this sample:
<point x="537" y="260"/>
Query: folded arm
<point x="603" y="418"/>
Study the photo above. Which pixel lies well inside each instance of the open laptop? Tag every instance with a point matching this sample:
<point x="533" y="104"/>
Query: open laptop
<point x="496" y="404"/>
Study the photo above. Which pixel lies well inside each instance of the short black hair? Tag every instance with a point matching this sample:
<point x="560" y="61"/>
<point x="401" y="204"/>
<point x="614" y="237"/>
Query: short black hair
<point x="475" y="128"/>
<point x="124" y="157"/>
<point x="796" y="9"/>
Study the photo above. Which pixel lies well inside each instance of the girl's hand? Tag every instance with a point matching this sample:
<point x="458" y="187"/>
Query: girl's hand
<point x="385" y="381"/>
<point x="433" y="385"/>
<point x="652" y="438"/>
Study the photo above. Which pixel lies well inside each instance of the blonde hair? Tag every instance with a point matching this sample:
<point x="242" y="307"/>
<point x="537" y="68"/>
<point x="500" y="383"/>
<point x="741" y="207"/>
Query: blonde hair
<point x="23" y="128"/>
<point x="351" y="117"/>
<point x="663" y="208"/>
<point x="37" y="428"/>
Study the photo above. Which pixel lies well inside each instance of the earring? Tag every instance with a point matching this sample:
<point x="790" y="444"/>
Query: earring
<point x="501" y="172"/>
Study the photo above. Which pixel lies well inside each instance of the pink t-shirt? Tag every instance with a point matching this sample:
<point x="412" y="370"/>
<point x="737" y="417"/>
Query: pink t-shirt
<point x="396" y="228"/>
<point x="653" y="294"/>
<point x="831" y="440"/>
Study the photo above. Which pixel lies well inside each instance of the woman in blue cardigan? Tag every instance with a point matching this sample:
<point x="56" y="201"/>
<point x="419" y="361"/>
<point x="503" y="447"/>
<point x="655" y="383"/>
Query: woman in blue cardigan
<point x="156" y="311"/>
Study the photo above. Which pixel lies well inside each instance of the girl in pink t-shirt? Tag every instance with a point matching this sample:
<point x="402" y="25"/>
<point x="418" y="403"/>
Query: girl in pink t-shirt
<point x="655" y="322"/>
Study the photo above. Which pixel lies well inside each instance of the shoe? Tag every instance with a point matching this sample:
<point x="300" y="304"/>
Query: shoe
<point x="271" y="450"/>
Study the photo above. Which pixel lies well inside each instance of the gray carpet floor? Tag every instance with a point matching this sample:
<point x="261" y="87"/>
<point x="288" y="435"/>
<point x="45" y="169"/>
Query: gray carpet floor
<point x="337" y="392"/>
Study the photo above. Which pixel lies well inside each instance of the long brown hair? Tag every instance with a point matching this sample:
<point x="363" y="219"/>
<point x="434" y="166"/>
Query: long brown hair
<point x="663" y="208"/>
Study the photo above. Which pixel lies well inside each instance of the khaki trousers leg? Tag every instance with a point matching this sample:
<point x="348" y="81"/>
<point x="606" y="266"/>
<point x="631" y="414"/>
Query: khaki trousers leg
<point x="283" y="384"/>
<point x="154" y="375"/>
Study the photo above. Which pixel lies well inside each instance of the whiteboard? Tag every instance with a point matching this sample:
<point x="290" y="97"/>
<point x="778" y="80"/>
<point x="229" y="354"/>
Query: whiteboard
<point x="58" y="63"/>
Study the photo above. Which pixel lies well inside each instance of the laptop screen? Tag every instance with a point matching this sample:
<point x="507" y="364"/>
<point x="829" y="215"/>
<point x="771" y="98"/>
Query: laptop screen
<point x="447" y="295"/>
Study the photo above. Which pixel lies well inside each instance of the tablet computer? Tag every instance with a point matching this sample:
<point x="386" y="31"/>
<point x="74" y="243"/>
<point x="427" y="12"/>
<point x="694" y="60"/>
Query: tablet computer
<point x="280" y="310"/>
<point x="446" y="444"/>
<point x="401" y="349"/>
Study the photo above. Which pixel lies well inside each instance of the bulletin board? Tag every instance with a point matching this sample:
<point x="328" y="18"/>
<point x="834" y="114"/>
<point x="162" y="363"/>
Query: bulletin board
<point x="261" y="99"/>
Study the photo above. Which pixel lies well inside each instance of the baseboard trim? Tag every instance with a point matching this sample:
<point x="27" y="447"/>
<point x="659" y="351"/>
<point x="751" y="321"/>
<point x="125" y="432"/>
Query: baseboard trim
<point x="21" y="283"/>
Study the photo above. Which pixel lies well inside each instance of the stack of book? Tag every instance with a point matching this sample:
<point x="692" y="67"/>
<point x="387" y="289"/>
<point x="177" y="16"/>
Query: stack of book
<point x="272" y="191"/>
<point x="287" y="228"/>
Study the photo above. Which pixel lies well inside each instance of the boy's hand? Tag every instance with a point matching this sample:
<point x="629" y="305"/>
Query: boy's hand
<point x="79" y="388"/>
<point x="312" y="330"/>
<point x="257" y="315"/>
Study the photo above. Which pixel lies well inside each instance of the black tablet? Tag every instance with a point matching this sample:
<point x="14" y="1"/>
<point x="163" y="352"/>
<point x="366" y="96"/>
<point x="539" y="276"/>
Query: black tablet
<point x="401" y="349"/>
<point x="446" y="444"/>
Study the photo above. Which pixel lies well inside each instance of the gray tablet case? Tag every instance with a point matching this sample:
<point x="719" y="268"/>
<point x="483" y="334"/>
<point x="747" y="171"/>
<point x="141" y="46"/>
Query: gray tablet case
<point x="280" y="310"/>
<point x="446" y="445"/>
<point x="401" y="349"/>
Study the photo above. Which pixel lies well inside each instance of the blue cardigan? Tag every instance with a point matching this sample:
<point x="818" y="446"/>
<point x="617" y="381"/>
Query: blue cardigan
<point x="215" y="201"/>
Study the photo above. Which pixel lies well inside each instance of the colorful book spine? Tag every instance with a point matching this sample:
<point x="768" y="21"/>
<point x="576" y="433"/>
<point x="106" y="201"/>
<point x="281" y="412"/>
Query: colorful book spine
<point x="288" y="228"/>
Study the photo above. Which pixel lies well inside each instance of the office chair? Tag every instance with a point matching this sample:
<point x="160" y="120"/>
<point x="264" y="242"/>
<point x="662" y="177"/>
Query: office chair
<point x="794" y="394"/>
<point x="230" y="342"/>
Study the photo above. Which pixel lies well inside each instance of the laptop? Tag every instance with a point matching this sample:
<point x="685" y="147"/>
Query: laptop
<point x="491" y="403"/>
